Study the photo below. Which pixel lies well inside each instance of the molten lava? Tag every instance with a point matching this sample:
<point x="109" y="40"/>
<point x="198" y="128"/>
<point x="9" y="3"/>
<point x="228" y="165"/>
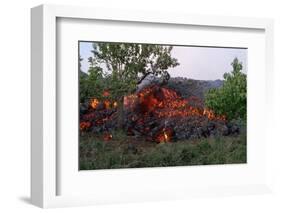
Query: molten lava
<point x="84" y="125"/>
<point x="107" y="136"/>
<point x="115" y="104"/>
<point x="157" y="113"/>
<point x="164" y="136"/>
<point x="107" y="104"/>
<point x="94" y="103"/>
<point x="164" y="102"/>
<point x="158" y="110"/>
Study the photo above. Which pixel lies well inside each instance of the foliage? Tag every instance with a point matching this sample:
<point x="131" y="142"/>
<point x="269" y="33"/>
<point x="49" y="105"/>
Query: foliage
<point x="231" y="98"/>
<point x="92" y="84"/>
<point x="120" y="67"/>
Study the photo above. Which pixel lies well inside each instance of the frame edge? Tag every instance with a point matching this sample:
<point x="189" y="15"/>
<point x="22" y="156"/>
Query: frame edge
<point x="37" y="106"/>
<point x="42" y="73"/>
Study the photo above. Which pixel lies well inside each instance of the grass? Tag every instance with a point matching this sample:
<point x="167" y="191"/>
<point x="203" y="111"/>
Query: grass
<point x="128" y="152"/>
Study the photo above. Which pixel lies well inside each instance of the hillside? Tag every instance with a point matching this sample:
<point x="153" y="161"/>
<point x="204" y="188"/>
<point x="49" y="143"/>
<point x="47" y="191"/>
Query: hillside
<point x="191" y="87"/>
<point x="185" y="86"/>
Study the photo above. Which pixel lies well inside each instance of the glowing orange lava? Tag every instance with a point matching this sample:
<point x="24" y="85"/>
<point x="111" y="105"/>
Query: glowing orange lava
<point x="84" y="125"/>
<point x="94" y="103"/>
<point x="165" y="103"/>
<point x="107" y="136"/>
<point x="164" y="136"/>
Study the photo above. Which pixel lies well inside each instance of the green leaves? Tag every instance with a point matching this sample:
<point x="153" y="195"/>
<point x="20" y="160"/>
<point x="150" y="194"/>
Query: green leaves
<point x="231" y="98"/>
<point x="127" y="65"/>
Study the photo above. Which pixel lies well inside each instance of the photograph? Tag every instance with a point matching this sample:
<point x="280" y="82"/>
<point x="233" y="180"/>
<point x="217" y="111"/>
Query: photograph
<point x="160" y="105"/>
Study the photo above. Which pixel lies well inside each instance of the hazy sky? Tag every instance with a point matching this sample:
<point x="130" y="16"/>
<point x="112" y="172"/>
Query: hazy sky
<point x="202" y="63"/>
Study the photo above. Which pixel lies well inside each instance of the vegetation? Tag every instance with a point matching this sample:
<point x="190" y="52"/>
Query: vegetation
<point x="120" y="67"/>
<point x="120" y="153"/>
<point x="231" y="98"/>
<point x="116" y="70"/>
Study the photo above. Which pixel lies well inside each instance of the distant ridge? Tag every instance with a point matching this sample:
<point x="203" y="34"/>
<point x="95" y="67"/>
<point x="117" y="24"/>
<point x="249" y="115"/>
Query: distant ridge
<point x="190" y="87"/>
<point x="186" y="86"/>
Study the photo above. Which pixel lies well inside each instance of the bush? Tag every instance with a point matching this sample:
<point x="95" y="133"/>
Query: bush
<point x="231" y="99"/>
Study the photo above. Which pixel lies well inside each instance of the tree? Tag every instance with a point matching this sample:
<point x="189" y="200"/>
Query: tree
<point x="80" y="65"/>
<point x="231" y="98"/>
<point x="82" y="82"/>
<point x="126" y="65"/>
<point x="90" y="84"/>
<point x="130" y="64"/>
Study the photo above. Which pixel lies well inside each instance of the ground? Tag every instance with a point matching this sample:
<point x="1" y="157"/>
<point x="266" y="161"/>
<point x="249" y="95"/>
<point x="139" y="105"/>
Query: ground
<point x="128" y="152"/>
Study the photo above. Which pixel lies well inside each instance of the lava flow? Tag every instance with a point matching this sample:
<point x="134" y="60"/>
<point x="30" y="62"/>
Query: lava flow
<point x="164" y="103"/>
<point x="156" y="113"/>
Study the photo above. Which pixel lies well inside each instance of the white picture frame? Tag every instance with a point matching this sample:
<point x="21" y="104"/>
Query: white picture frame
<point x="44" y="148"/>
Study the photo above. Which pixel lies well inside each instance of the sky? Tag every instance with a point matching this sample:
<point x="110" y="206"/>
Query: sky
<point x="201" y="63"/>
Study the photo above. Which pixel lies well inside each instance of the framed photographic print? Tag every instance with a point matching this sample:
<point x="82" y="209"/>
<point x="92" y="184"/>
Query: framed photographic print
<point x="130" y="106"/>
<point x="151" y="105"/>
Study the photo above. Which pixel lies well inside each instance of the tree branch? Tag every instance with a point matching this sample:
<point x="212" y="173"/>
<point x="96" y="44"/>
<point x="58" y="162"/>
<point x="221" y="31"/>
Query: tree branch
<point x="143" y="77"/>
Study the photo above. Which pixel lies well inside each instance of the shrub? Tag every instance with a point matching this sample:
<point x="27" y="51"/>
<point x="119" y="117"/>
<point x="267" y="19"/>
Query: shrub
<point x="231" y="98"/>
